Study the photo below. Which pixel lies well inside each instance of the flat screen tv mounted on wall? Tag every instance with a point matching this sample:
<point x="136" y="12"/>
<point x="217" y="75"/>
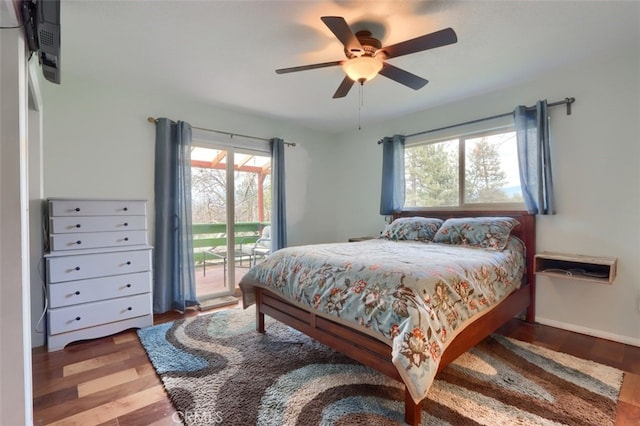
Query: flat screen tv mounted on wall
<point x="42" y="29"/>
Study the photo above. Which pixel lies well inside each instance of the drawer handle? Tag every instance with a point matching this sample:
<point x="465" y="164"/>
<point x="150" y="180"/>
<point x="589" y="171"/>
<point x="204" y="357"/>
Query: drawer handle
<point x="129" y="308"/>
<point x="78" y="242"/>
<point x="77" y="318"/>
<point x="125" y="209"/>
<point x="126" y="224"/>
<point x="128" y="285"/>
<point x="78" y="225"/>
<point x="128" y="263"/>
<point x="77" y="268"/>
<point x="77" y="209"/>
<point x="77" y="293"/>
<point x="126" y="238"/>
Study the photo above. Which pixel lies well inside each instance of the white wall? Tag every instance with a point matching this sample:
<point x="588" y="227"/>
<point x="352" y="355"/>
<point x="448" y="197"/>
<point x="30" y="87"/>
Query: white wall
<point x="597" y="181"/>
<point x="15" y="338"/>
<point x="98" y="143"/>
<point x="36" y="185"/>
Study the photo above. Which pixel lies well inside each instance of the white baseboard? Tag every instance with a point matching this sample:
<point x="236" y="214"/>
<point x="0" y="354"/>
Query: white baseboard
<point x="589" y="331"/>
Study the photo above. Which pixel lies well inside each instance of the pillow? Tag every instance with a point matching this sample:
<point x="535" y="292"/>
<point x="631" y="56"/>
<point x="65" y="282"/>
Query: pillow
<point x="489" y="233"/>
<point x="412" y="228"/>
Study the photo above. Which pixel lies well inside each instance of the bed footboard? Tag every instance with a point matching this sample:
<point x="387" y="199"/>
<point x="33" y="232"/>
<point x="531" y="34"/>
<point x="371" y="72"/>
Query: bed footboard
<point x="374" y="353"/>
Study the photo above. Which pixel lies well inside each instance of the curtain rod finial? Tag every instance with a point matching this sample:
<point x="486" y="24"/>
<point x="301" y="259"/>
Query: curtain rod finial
<point x="152" y="120"/>
<point x="569" y="101"/>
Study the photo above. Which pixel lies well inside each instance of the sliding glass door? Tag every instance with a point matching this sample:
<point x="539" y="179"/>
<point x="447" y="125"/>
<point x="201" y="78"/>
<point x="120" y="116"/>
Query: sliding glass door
<point x="231" y="204"/>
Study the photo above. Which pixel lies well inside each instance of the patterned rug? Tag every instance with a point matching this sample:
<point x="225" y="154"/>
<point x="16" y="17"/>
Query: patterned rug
<point x="218" y="370"/>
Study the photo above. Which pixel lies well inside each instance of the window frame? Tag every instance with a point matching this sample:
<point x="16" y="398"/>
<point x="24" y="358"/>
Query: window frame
<point x="462" y="136"/>
<point x="232" y="146"/>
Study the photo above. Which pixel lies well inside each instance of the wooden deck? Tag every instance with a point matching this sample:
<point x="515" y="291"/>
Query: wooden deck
<point x="213" y="280"/>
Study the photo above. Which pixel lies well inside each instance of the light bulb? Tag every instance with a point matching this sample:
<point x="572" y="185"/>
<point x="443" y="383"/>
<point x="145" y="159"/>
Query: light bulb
<point x="362" y="68"/>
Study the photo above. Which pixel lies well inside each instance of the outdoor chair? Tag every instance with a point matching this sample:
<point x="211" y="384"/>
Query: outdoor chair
<point x="262" y="247"/>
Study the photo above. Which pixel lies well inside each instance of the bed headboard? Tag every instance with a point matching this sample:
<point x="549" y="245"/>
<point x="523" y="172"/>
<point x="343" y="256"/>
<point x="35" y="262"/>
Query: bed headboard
<point x="526" y="231"/>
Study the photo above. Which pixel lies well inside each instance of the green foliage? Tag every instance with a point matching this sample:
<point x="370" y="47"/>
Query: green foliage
<point x="484" y="177"/>
<point x="432" y="172"/>
<point x="431" y="175"/>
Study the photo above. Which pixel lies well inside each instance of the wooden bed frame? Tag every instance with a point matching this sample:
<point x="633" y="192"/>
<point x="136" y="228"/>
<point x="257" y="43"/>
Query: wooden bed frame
<point x="376" y="354"/>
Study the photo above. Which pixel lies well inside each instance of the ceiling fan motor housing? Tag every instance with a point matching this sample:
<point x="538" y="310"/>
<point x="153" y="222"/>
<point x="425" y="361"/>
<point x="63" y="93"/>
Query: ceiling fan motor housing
<point x="370" y="45"/>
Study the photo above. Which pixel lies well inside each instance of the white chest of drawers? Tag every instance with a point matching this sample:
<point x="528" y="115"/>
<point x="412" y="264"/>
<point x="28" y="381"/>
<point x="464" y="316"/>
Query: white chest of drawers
<point x="99" y="271"/>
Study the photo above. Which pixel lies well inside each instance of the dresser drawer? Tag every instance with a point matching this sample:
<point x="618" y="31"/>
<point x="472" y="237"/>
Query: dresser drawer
<point x="60" y="242"/>
<point x="70" y="318"/>
<point x="65" y="225"/>
<point x="97" y="207"/>
<point x="79" y="267"/>
<point x="94" y="289"/>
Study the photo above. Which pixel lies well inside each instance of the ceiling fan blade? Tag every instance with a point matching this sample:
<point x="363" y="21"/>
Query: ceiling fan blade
<point x="344" y="88"/>
<point x="308" y="67"/>
<point x="418" y="44"/>
<point x="402" y="76"/>
<point x="342" y="31"/>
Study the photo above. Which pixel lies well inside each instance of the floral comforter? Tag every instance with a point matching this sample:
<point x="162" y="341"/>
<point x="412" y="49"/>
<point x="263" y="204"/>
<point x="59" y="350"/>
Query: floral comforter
<point x="415" y="296"/>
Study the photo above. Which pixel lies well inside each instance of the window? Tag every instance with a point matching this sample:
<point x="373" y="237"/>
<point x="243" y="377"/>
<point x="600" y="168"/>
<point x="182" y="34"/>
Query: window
<point x="477" y="170"/>
<point x="252" y="183"/>
<point x="231" y="206"/>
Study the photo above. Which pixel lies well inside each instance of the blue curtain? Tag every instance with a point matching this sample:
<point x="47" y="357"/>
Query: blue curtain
<point x="278" y="208"/>
<point x="173" y="269"/>
<point x="392" y="196"/>
<point x="534" y="158"/>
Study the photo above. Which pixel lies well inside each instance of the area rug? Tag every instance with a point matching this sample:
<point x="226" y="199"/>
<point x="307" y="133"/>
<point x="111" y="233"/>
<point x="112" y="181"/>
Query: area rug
<point x="218" y="370"/>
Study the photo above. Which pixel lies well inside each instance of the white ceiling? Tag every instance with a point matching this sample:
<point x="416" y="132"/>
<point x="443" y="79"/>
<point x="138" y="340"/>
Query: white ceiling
<point x="224" y="53"/>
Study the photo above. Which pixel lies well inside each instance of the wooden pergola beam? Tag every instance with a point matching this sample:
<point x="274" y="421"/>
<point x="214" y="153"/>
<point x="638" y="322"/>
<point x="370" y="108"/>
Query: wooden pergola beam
<point x="261" y="171"/>
<point x="221" y="166"/>
<point x="216" y="161"/>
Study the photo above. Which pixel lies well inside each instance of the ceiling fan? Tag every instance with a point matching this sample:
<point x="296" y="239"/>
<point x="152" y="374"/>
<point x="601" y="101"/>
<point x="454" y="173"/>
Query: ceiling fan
<point x="366" y="57"/>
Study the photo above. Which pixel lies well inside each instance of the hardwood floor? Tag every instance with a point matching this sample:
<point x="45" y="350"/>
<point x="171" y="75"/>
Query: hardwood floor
<point x="110" y="381"/>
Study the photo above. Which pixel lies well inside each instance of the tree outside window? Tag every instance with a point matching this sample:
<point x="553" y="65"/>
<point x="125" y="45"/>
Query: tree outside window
<point x="480" y="169"/>
<point x="252" y="187"/>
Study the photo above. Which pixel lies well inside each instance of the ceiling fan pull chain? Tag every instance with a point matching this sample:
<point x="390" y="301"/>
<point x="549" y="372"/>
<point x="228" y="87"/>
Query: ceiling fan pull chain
<point x="360" y="104"/>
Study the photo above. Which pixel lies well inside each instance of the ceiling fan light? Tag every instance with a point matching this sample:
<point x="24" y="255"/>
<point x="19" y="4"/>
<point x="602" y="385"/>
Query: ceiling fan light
<point x="362" y="68"/>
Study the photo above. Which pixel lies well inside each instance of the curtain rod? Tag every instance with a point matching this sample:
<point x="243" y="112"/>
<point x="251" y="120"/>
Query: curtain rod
<point x="154" y="120"/>
<point x="566" y="101"/>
